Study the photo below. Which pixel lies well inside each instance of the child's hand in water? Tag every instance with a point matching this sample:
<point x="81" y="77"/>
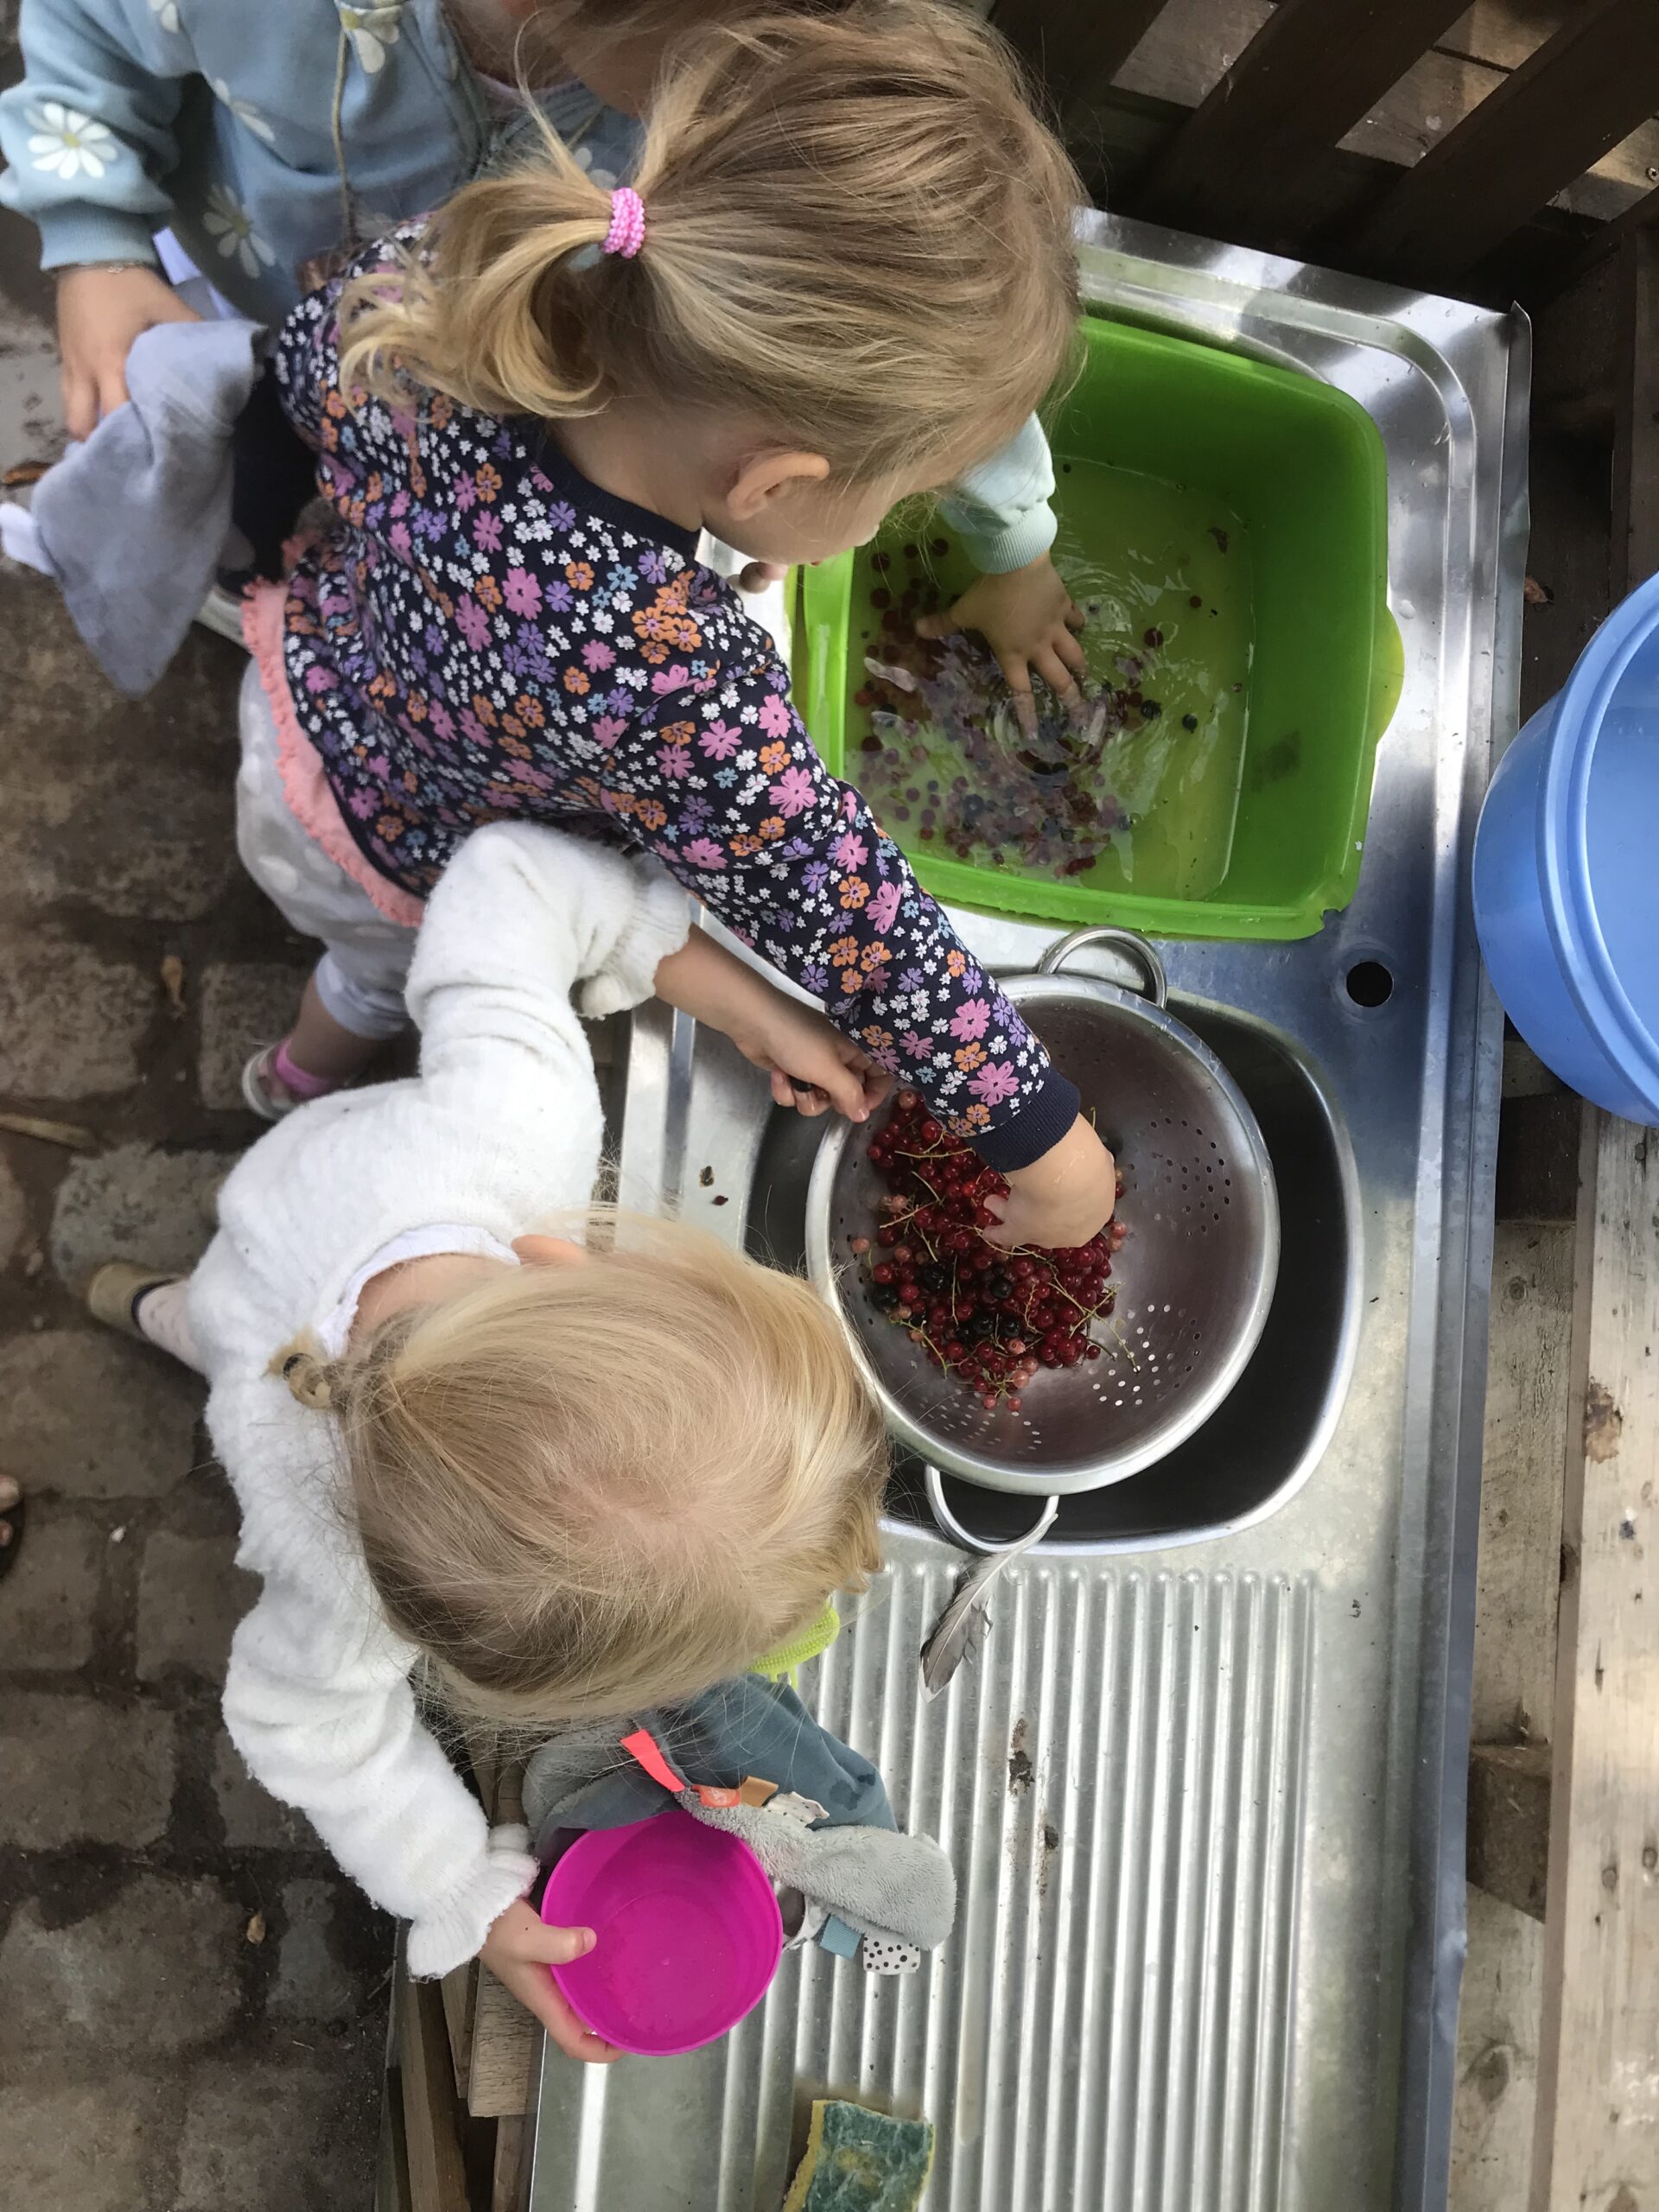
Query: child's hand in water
<point x="518" y="1950"/>
<point x="1027" y="618"/>
<point x="1061" y="1199"/>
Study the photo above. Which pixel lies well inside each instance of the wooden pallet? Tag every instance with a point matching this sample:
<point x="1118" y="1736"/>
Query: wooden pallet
<point x="1443" y="144"/>
<point x="1558" y="2094"/>
<point x="461" y="2053"/>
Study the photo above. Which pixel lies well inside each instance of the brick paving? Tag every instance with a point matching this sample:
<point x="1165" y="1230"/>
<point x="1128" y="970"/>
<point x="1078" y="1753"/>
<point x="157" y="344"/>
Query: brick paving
<point x="152" y="2057"/>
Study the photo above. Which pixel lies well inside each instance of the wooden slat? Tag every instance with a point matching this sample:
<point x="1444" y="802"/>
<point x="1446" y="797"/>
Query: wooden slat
<point x="1569" y="496"/>
<point x="1065" y="39"/>
<point x="1597" y="2121"/>
<point x="1194" y="42"/>
<point x="507" y="2177"/>
<point x="391" y="2169"/>
<point x="1494" y="2103"/>
<point x="503" y="2052"/>
<point x="459" y="1992"/>
<point x="1538" y="1145"/>
<point x="432" y="2111"/>
<point x="1310" y="74"/>
<point x="1578" y="96"/>
<point x="1518" y="1571"/>
<point x="1641" y="214"/>
<point x="1636" y="413"/>
<point x="1505" y="32"/>
<point x="1509" y="1823"/>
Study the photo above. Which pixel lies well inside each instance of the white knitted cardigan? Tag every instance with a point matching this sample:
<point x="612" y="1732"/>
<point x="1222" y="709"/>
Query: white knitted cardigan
<point x="500" y="1128"/>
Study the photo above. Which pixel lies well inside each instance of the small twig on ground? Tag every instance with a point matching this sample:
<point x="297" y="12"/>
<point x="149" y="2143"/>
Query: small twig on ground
<point x="70" y="1135"/>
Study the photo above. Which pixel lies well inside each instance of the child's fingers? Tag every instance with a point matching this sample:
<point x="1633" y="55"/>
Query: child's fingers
<point x="756" y="576"/>
<point x="1001" y="1231"/>
<point x="112" y="389"/>
<point x="843" y="1086"/>
<point x="554" y="1947"/>
<point x="936" y="625"/>
<point x="538" y="1993"/>
<point x="79" y="404"/>
<point x="1017" y="676"/>
<point x="877" y="1082"/>
<point x="1057" y="676"/>
<point x="806" y="1099"/>
<point x="1075" y="617"/>
<point x="1066" y="648"/>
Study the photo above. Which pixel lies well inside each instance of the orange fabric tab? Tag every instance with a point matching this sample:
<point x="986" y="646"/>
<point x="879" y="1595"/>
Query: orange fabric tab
<point x="643" y="1747"/>
<point x="711" y="1793"/>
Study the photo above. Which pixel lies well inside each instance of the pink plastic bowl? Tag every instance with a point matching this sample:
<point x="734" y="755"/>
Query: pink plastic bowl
<point x="688" y="1932"/>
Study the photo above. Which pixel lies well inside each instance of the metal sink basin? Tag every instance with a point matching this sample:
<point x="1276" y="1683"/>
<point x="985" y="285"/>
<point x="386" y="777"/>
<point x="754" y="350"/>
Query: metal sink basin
<point x="1204" y="1785"/>
<point x="1252" y="1454"/>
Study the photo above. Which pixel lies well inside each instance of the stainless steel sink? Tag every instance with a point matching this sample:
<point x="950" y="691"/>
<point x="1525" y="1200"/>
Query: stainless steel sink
<point x="1204" y="1787"/>
<point x="1256" y="1451"/>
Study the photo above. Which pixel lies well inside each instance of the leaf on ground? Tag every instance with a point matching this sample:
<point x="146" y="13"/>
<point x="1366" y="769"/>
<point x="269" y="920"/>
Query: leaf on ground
<point x="172" y="974"/>
<point x="23" y="472"/>
<point x="255" y="1931"/>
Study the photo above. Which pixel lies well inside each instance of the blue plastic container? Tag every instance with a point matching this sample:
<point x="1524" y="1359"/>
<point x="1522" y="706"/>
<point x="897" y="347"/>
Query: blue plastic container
<point x="1566" y="870"/>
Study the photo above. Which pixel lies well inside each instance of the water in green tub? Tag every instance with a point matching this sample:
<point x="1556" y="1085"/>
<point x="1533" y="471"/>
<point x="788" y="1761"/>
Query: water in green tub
<point x="1143" y="793"/>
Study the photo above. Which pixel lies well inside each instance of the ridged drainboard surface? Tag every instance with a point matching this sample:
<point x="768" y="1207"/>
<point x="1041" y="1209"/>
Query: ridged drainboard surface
<point x="1121" y="1782"/>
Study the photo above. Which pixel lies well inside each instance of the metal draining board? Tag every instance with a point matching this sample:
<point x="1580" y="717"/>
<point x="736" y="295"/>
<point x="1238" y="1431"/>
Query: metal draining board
<point x="1206" y="1801"/>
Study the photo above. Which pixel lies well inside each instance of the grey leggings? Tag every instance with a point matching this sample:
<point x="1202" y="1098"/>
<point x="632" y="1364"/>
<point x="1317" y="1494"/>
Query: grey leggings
<point x="361" y="975"/>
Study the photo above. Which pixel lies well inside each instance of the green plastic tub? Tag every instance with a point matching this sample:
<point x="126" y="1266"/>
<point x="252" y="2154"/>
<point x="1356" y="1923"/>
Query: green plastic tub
<point x="1223" y="524"/>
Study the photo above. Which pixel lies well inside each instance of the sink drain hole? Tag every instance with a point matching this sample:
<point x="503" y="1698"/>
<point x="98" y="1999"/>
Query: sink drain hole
<point x="1369" y="983"/>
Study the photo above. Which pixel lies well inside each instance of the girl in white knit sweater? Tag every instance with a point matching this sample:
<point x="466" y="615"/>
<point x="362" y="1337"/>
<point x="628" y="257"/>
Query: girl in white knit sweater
<point x="555" y="1481"/>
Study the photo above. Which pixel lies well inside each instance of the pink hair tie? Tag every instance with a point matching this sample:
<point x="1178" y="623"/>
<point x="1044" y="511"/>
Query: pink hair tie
<point x="627" y="231"/>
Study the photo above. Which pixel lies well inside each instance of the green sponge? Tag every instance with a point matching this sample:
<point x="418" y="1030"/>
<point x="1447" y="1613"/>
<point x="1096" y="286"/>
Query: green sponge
<point x="860" y="2161"/>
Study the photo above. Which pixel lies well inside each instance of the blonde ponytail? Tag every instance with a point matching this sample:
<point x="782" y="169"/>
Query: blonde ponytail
<point x="309" y="1374"/>
<point x="858" y="236"/>
<point x="475" y="322"/>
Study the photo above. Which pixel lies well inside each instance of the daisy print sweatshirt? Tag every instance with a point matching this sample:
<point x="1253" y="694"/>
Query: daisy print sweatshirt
<point x="483" y="635"/>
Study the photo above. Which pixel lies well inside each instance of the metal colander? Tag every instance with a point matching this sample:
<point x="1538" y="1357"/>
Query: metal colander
<point x="1194" y="1279"/>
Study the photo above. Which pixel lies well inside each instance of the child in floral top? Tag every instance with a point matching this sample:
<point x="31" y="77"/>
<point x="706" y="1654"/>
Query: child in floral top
<point x="266" y="136"/>
<point x="846" y="275"/>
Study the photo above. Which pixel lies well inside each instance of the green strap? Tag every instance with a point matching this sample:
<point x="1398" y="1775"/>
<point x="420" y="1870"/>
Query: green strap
<point x="779" y="1666"/>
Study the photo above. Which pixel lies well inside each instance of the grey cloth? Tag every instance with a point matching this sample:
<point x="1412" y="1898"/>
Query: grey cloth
<point x="583" y="1778"/>
<point x="895" y="1889"/>
<point x="131" y="522"/>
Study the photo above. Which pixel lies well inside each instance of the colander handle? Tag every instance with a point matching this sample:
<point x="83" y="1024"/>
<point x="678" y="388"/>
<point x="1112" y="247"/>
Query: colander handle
<point x="933" y="1481"/>
<point x="1151" y="981"/>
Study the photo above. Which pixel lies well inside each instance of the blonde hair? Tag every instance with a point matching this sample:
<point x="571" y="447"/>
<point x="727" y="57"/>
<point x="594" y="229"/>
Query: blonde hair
<point x="581" y="1490"/>
<point x="857" y="235"/>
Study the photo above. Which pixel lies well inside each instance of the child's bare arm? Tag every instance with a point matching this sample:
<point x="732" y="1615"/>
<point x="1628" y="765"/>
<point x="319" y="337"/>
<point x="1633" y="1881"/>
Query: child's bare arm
<point x="773" y="1030"/>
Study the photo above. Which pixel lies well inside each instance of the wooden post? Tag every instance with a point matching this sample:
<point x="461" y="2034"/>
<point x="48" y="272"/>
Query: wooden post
<point x="1597" y="2141"/>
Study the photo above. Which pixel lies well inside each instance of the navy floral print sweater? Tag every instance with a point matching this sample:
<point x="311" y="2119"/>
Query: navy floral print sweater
<point x="483" y="634"/>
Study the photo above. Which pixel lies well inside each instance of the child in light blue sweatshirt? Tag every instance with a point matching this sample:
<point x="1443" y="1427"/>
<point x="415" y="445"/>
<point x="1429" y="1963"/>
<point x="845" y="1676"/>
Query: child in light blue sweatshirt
<point x="265" y="137"/>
